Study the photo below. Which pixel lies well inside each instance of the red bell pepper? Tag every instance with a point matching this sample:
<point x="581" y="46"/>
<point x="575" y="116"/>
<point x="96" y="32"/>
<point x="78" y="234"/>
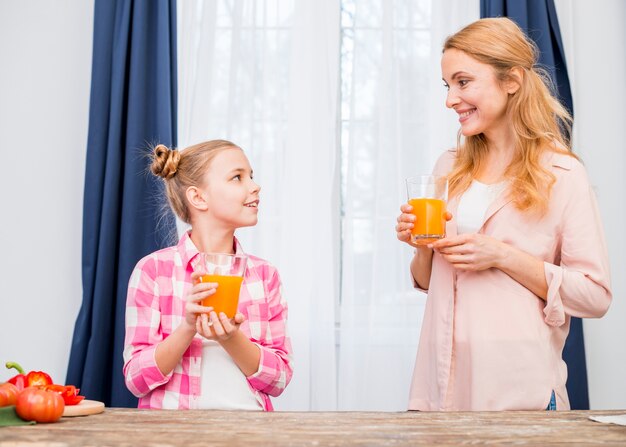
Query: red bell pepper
<point x="69" y="393"/>
<point x="33" y="378"/>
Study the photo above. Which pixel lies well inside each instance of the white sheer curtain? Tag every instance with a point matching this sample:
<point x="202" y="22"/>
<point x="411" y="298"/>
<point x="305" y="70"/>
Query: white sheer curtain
<point x="263" y="73"/>
<point x="394" y="124"/>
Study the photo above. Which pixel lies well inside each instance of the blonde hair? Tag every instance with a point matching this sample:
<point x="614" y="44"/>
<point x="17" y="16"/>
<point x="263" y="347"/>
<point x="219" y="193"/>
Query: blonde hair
<point x="539" y="120"/>
<point x="182" y="169"/>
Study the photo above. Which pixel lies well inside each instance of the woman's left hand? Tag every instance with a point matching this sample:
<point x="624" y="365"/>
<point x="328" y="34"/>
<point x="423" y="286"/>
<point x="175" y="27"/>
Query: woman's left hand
<point x="218" y="328"/>
<point x="471" y="252"/>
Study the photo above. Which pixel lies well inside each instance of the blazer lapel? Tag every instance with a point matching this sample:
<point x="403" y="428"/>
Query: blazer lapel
<point x="500" y="201"/>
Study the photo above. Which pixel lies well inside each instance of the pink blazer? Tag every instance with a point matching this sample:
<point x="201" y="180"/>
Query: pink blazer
<point x="487" y="342"/>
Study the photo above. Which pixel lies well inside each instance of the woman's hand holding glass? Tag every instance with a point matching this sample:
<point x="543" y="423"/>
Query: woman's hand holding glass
<point x="471" y="252"/>
<point x="406" y="222"/>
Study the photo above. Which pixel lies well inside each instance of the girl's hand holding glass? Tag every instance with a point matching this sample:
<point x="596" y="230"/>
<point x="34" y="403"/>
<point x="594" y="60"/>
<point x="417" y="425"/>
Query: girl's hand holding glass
<point x="218" y="328"/>
<point x="199" y="291"/>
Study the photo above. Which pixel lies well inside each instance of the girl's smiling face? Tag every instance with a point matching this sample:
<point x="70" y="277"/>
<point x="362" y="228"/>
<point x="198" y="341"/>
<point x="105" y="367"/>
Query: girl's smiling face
<point x="230" y="191"/>
<point x="475" y="93"/>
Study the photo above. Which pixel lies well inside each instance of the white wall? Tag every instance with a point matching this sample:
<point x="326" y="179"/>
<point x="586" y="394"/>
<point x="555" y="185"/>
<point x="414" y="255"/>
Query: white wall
<point x="45" y="71"/>
<point x="45" y="54"/>
<point x="594" y="36"/>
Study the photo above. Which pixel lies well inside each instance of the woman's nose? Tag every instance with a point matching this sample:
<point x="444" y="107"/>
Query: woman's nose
<point x="451" y="99"/>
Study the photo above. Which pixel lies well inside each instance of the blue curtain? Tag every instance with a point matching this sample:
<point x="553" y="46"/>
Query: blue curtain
<point x="538" y="18"/>
<point x="132" y="105"/>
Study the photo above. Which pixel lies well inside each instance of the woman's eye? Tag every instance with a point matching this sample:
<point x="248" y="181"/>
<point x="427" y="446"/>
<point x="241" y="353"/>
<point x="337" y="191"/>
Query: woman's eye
<point x="445" y="84"/>
<point x="463" y="82"/>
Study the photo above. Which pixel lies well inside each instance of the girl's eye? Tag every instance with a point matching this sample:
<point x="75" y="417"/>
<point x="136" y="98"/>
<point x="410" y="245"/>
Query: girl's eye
<point x="237" y="177"/>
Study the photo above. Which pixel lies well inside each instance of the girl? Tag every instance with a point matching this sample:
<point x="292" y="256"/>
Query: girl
<point x="178" y="353"/>
<point x="525" y="250"/>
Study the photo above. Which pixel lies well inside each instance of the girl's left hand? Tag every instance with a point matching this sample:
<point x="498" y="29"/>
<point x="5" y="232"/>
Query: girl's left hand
<point x="471" y="252"/>
<point x="218" y="328"/>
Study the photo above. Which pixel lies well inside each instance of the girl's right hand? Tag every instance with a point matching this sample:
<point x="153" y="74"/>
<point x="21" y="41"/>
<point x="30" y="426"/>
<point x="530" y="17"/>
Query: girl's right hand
<point x="406" y="220"/>
<point x="198" y="292"/>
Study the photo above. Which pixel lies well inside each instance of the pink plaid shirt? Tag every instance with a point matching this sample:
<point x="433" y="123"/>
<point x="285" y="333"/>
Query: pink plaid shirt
<point x="155" y="307"/>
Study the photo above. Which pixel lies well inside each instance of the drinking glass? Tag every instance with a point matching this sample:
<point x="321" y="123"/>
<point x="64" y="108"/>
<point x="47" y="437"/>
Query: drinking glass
<point x="227" y="271"/>
<point x="427" y="194"/>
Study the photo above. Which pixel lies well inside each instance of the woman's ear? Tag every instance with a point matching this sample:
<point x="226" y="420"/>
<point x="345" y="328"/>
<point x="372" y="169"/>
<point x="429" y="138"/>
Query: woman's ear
<point x="516" y="77"/>
<point x="195" y="199"/>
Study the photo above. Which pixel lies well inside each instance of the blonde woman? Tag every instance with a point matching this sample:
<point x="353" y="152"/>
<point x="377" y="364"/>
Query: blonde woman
<point x="525" y="248"/>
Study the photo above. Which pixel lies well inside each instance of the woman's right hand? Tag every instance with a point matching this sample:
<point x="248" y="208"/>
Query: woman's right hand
<point x="406" y="220"/>
<point x="199" y="291"/>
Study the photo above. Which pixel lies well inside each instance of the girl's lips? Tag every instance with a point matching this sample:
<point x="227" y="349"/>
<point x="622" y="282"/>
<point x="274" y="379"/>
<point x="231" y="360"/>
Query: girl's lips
<point x="253" y="204"/>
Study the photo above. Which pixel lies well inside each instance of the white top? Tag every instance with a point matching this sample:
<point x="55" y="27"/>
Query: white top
<point x="473" y="205"/>
<point x="223" y="386"/>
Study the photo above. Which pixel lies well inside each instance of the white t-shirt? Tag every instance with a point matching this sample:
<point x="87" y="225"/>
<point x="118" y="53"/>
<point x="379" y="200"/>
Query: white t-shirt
<point x="473" y="205"/>
<point x="223" y="385"/>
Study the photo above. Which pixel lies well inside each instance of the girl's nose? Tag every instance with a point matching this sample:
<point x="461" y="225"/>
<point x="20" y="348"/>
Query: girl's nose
<point x="256" y="188"/>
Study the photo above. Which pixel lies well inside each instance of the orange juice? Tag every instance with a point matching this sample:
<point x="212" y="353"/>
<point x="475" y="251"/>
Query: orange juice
<point x="430" y="222"/>
<point x="226" y="296"/>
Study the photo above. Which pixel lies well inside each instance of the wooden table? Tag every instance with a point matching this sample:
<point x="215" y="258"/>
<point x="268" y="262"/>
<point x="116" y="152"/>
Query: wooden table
<point x="131" y="427"/>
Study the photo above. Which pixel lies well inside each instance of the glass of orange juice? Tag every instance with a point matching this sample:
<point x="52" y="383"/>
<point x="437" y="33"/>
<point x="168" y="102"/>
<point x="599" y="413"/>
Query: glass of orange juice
<point x="427" y="194"/>
<point x="227" y="271"/>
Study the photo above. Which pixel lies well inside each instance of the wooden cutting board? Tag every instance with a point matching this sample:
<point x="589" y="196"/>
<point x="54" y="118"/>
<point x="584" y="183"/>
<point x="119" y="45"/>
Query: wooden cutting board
<point x="84" y="408"/>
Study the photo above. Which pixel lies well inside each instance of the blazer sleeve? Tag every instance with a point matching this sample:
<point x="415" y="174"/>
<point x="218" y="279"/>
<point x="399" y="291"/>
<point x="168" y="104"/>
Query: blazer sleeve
<point x="580" y="284"/>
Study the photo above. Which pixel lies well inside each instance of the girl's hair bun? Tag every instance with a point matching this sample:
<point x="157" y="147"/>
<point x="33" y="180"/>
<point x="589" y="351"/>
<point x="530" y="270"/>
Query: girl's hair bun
<point x="164" y="161"/>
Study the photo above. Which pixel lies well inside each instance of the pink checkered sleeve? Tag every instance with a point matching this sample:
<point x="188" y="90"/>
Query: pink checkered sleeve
<point x="275" y="368"/>
<point x="143" y="334"/>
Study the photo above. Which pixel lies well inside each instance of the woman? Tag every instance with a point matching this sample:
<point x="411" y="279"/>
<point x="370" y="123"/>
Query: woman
<point x="525" y="249"/>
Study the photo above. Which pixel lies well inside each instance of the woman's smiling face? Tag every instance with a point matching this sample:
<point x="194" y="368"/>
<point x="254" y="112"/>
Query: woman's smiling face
<point x="475" y="93"/>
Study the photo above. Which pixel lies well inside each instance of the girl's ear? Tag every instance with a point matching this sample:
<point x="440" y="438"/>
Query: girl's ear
<point x="516" y="77"/>
<point x="195" y="199"/>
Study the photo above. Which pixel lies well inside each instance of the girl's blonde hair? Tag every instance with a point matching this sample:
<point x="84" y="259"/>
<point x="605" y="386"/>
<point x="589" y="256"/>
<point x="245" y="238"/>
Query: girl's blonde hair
<point x="182" y="169"/>
<point x="539" y="120"/>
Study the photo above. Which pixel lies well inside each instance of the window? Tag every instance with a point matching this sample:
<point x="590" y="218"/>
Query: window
<point x="335" y="102"/>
